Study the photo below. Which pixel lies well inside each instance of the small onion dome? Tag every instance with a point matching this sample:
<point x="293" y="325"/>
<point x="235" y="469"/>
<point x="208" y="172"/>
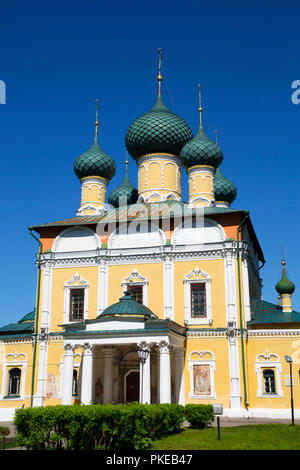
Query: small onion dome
<point x="127" y="306"/>
<point x="95" y="162"/>
<point x="158" y="131"/>
<point x="225" y="190"/>
<point x="285" y="286"/>
<point x="126" y="193"/>
<point x="201" y="151"/>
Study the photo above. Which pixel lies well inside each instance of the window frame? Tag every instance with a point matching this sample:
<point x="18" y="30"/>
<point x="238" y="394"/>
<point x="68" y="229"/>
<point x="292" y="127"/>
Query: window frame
<point x="268" y="361"/>
<point x="264" y="370"/>
<point x="132" y="286"/>
<point x="196" y="276"/>
<point x="9" y="383"/>
<point x="192" y="285"/>
<point x="71" y="293"/>
<point x="136" y="279"/>
<point x="76" y="282"/>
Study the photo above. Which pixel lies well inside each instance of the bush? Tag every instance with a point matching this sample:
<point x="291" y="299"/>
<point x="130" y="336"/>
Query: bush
<point x="102" y="427"/>
<point x="199" y="416"/>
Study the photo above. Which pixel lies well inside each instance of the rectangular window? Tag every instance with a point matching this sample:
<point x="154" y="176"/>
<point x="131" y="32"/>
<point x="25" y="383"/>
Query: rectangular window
<point x="136" y="292"/>
<point x="76" y="304"/>
<point x="198" y="300"/>
<point x="269" y="381"/>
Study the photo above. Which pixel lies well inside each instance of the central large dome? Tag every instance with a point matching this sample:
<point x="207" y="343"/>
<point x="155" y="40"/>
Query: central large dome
<point x="158" y="131"/>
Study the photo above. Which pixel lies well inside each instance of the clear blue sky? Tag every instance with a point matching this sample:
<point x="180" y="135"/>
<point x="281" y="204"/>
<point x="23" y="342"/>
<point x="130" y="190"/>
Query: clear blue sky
<point x="57" y="57"/>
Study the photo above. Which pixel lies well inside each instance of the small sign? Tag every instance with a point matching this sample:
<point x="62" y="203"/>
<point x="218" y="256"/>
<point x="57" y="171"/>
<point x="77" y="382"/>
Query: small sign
<point x="218" y="409"/>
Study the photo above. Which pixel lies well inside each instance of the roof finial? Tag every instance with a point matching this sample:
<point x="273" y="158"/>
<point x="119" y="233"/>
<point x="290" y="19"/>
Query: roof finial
<point x="200" y="104"/>
<point x="216" y="132"/>
<point x="96" y="122"/>
<point x="126" y="164"/>
<point x="282" y="259"/>
<point x="159" y="77"/>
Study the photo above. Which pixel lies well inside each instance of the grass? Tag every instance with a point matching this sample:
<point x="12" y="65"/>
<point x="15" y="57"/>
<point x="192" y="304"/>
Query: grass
<point x="248" y="437"/>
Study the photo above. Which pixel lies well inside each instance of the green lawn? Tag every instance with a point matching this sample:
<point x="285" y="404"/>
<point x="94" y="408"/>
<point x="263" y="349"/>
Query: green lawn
<point x="250" y="437"/>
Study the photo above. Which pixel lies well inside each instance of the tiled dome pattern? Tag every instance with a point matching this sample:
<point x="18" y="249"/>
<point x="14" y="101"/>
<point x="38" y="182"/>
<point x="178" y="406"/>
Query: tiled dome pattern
<point x="95" y="162"/>
<point x="157" y="131"/>
<point x="224" y="189"/>
<point x="285" y="286"/>
<point x="201" y="151"/>
<point x="126" y="191"/>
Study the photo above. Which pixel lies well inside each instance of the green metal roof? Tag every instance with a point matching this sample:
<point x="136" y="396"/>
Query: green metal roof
<point x="126" y="193"/>
<point x="267" y="313"/>
<point x="95" y="162"/>
<point x="201" y="151"/>
<point x="157" y="131"/>
<point x="24" y="327"/>
<point x="224" y="189"/>
<point x="127" y="306"/>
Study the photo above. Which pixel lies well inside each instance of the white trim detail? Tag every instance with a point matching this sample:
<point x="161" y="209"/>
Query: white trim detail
<point x="11" y="361"/>
<point x="269" y="361"/>
<point x="76" y="239"/>
<point x="212" y="368"/>
<point x="136" y="279"/>
<point x="76" y="282"/>
<point x="195" y="277"/>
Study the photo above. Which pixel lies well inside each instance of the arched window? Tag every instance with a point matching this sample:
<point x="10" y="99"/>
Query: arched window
<point x="14" y="380"/>
<point x="269" y="381"/>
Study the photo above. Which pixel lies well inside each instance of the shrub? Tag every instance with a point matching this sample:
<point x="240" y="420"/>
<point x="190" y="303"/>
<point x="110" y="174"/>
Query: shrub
<point x="199" y="416"/>
<point x="103" y="427"/>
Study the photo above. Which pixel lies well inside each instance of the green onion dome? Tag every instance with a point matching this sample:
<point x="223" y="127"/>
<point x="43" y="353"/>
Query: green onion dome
<point x="285" y="286"/>
<point x="201" y="151"/>
<point x="95" y="162"/>
<point x="225" y="190"/>
<point x="127" y="306"/>
<point x="126" y="191"/>
<point x="158" y="131"/>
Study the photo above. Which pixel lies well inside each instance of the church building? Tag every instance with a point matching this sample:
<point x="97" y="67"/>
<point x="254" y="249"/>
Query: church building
<point x="142" y="296"/>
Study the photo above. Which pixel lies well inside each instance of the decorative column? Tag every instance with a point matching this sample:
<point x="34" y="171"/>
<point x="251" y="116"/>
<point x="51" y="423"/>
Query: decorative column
<point x="67" y="385"/>
<point x="179" y="376"/>
<point x="108" y="378"/>
<point x="230" y="287"/>
<point x="169" y="288"/>
<point x="87" y="375"/>
<point x="38" y="400"/>
<point x="235" y="390"/>
<point x="165" y="372"/>
<point x="102" y="286"/>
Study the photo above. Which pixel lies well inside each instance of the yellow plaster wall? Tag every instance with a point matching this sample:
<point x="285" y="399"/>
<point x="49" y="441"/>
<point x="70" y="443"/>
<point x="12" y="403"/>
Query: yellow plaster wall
<point x="219" y="348"/>
<point x="60" y="277"/>
<point x="280" y="345"/>
<point x="154" y="274"/>
<point x="24" y="352"/>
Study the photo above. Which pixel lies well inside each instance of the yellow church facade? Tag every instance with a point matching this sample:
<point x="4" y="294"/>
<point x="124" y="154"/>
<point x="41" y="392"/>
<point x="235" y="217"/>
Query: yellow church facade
<point x="141" y="273"/>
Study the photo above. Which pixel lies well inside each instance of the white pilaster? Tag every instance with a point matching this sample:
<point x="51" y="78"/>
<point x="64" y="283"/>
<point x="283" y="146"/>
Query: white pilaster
<point x="245" y="276"/>
<point x="168" y="288"/>
<point x="179" y="376"/>
<point x="87" y="375"/>
<point x="230" y="287"/>
<point x="102" y="286"/>
<point x="165" y="373"/>
<point x="67" y="387"/>
<point x="42" y="372"/>
<point x="108" y="378"/>
<point x="234" y="373"/>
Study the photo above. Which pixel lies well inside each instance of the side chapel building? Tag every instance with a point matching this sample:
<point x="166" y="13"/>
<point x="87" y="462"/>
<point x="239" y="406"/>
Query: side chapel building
<point x="179" y="280"/>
